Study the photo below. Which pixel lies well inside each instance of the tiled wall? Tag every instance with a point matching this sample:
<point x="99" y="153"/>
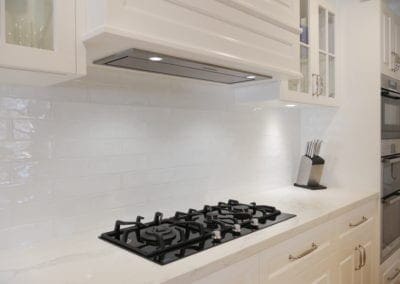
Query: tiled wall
<point x="77" y="157"/>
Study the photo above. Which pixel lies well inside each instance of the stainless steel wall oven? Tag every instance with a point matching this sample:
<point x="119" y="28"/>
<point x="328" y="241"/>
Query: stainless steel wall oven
<point x="390" y="158"/>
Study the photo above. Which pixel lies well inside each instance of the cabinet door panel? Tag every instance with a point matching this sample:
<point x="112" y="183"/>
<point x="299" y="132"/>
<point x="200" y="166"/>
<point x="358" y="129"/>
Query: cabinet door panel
<point x="38" y="35"/>
<point x="346" y="267"/>
<point x="367" y="270"/>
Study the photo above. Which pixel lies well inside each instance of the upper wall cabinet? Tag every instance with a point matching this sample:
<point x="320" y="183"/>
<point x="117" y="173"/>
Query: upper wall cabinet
<point x="38" y="41"/>
<point x="318" y="62"/>
<point x="317" y="56"/>
<point x="259" y="36"/>
<point x="390" y="27"/>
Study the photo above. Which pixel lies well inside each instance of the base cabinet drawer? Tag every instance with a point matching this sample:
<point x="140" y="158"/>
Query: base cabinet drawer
<point x="243" y="272"/>
<point x="293" y="257"/>
<point x="392" y="274"/>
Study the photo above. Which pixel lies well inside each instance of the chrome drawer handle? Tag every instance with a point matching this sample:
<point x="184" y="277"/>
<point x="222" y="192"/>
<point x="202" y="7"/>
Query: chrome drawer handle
<point x="304" y="253"/>
<point x="363" y="220"/>
<point x="390" y="278"/>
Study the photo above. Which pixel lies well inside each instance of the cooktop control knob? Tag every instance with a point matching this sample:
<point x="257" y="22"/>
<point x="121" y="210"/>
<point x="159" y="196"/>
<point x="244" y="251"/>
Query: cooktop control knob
<point x="254" y="222"/>
<point x="236" y="228"/>
<point x="216" y="235"/>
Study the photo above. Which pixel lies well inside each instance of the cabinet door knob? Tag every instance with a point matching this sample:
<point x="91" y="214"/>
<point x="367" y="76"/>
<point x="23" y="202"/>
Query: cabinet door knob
<point x="363" y="220"/>
<point x="394" y="276"/>
<point x="304" y="253"/>
<point x="360" y="258"/>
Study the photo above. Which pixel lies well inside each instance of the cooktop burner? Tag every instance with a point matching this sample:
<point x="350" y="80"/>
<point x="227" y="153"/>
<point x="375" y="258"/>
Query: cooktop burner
<point x="166" y="240"/>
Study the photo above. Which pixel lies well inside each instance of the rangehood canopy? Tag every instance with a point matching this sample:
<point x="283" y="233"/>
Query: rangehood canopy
<point x="142" y="60"/>
<point x="216" y="40"/>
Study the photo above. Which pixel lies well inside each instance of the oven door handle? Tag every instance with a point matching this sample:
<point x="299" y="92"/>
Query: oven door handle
<point x="393" y="199"/>
<point x="390" y="94"/>
<point x="391" y="160"/>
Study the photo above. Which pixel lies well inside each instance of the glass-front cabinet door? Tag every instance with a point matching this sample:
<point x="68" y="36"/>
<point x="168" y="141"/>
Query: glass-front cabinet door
<point x="38" y="35"/>
<point x="326" y="51"/>
<point x="304" y="85"/>
<point x="317" y="55"/>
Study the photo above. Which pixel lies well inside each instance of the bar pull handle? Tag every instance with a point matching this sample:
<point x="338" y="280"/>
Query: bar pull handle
<point x="360" y="258"/>
<point x="394" y="276"/>
<point x="364" y="255"/>
<point x="304" y="253"/>
<point x="363" y="220"/>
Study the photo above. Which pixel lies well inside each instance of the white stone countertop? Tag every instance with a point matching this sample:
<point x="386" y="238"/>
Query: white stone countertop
<point x="86" y="259"/>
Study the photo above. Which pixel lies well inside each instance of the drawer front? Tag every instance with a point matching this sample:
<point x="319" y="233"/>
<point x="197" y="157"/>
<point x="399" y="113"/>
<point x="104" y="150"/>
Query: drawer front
<point x="358" y="224"/>
<point x="392" y="274"/>
<point x="296" y="255"/>
<point x="243" y="272"/>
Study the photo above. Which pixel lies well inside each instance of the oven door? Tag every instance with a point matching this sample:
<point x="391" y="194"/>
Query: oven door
<point x="390" y="114"/>
<point x="390" y="224"/>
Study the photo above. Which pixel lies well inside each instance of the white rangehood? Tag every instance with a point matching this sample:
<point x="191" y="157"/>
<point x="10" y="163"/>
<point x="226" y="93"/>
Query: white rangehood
<point x="252" y="39"/>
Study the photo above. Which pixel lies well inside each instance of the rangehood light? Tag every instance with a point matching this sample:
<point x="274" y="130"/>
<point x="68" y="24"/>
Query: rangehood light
<point x="290" y="105"/>
<point x="251" y="77"/>
<point x="155" y="58"/>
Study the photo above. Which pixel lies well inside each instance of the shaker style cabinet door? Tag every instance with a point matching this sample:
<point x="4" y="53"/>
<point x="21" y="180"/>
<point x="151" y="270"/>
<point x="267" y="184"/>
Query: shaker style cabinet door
<point x="38" y="35"/>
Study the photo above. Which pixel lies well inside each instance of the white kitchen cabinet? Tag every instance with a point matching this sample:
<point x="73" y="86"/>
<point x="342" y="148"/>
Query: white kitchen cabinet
<point x="390" y="33"/>
<point x="357" y="241"/>
<point x="255" y="36"/>
<point x="342" y="250"/>
<point x="290" y="259"/>
<point x="318" y="60"/>
<point x="39" y="42"/>
<point x="243" y="272"/>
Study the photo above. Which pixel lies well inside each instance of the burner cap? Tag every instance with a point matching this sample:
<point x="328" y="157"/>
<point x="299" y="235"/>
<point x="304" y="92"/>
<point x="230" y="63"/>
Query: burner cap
<point x="153" y="234"/>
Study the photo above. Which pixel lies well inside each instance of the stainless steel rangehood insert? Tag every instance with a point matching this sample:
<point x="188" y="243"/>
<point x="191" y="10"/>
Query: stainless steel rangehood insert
<point x="142" y="60"/>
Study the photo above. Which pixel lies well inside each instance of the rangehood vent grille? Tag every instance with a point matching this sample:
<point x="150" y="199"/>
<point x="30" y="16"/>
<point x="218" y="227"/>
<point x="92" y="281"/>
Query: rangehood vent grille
<point x="142" y="60"/>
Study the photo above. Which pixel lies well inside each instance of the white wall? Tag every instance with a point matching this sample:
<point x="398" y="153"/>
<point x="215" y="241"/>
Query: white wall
<point x="352" y="132"/>
<point x="80" y="156"/>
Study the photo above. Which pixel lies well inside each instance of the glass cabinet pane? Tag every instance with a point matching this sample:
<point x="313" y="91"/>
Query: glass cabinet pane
<point x="322" y="73"/>
<point x="331" y="76"/>
<point x="302" y="85"/>
<point x="30" y="23"/>
<point x="304" y="68"/>
<point x="331" y="33"/>
<point x="322" y="28"/>
<point x="304" y="21"/>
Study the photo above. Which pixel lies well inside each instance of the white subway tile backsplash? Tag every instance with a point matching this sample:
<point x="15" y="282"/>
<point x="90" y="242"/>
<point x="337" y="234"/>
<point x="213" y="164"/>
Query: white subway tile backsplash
<point x="78" y="156"/>
<point x="11" y="107"/>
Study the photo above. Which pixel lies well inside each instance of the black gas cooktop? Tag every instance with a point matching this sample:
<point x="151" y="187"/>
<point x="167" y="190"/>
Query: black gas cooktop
<point x="166" y="240"/>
